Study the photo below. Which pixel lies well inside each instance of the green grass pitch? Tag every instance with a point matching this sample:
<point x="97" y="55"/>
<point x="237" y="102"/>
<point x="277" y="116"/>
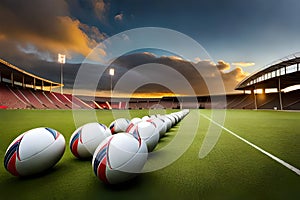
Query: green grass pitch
<point x="232" y="170"/>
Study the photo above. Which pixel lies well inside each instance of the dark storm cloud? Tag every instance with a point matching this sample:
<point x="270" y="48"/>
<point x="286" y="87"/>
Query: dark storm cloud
<point x="209" y="72"/>
<point x="129" y="63"/>
<point x="46" y="26"/>
<point x="31" y="15"/>
<point x="33" y="32"/>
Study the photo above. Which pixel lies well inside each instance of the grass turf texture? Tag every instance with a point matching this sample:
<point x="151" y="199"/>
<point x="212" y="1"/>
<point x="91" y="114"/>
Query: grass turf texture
<point x="232" y="170"/>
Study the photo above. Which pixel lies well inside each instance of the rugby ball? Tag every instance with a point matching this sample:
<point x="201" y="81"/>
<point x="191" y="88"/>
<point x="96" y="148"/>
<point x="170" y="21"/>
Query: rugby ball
<point x="119" y="125"/>
<point x="166" y="121"/>
<point x="85" y="140"/>
<point x="177" y="117"/>
<point x="34" y="152"/>
<point x="145" y="118"/>
<point x="172" y="118"/>
<point x="119" y="158"/>
<point x="135" y="120"/>
<point x="160" y="126"/>
<point x="147" y="132"/>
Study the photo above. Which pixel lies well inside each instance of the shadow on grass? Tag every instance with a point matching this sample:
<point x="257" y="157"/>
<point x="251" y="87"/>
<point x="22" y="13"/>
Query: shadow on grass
<point x="40" y="175"/>
<point x="57" y="169"/>
<point x="89" y="159"/>
<point x="132" y="183"/>
<point x="17" y="187"/>
<point x="135" y="188"/>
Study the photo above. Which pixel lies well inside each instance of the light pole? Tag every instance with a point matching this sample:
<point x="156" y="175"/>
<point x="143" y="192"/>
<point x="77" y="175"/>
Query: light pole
<point x="111" y="73"/>
<point x="61" y="60"/>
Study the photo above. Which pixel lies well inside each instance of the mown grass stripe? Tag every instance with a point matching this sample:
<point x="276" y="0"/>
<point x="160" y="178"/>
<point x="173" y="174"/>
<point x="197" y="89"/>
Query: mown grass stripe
<point x="287" y="165"/>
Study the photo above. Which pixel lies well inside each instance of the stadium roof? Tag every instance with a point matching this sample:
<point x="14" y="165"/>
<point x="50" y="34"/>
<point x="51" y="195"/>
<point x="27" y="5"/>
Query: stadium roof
<point x="287" y="69"/>
<point x="14" y="75"/>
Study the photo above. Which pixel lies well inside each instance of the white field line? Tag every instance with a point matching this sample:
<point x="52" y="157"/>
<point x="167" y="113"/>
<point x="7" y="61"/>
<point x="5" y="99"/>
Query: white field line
<point x="287" y="165"/>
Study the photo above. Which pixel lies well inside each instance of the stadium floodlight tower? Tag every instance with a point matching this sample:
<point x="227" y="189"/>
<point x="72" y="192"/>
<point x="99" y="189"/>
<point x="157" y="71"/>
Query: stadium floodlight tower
<point x="111" y="73"/>
<point x="61" y="60"/>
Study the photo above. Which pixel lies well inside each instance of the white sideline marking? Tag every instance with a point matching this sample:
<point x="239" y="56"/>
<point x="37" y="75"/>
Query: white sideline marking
<point x="287" y="165"/>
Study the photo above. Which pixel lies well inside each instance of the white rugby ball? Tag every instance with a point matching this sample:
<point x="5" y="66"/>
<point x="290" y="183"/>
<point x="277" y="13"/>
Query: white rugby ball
<point x="185" y="112"/>
<point x="85" y="140"/>
<point x="135" y="120"/>
<point x="145" y="118"/>
<point x="34" y="151"/>
<point x="167" y="121"/>
<point x="160" y="126"/>
<point x="119" y="125"/>
<point x="177" y="116"/>
<point x="119" y="158"/>
<point x="146" y="131"/>
<point x="172" y="118"/>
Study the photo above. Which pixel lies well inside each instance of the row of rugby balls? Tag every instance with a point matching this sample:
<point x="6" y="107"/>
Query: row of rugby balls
<point x="122" y="156"/>
<point x="116" y="157"/>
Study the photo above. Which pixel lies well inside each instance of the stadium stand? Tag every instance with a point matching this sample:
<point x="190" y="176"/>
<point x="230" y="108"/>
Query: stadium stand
<point x="114" y="105"/>
<point x="45" y="100"/>
<point x="133" y="105"/>
<point x="64" y="100"/>
<point x="76" y="102"/>
<point x="22" y="90"/>
<point x="9" y="100"/>
<point x="104" y="105"/>
<point x="119" y="105"/>
<point x="20" y="96"/>
<point x="169" y="102"/>
<point x="234" y="100"/>
<point x="55" y="100"/>
<point x="291" y="100"/>
<point x="34" y="101"/>
<point x="246" y="103"/>
<point x="280" y="74"/>
<point x="93" y="104"/>
<point x="267" y="101"/>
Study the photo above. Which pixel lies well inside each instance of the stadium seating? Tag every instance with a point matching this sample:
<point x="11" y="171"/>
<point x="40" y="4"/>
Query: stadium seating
<point x="119" y="105"/>
<point x="234" y="100"/>
<point x="9" y="100"/>
<point x="21" y="96"/>
<point x="26" y="98"/>
<point x="103" y="105"/>
<point x="247" y="102"/>
<point x="168" y="104"/>
<point x="114" y="105"/>
<point x="77" y="103"/>
<point x="64" y="100"/>
<point x="268" y="101"/>
<point x="45" y="100"/>
<point x="132" y="105"/>
<point x="32" y="98"/>
<point x="92" y="104"/>
<point x="55" y="100"/>
<point x="291" y="100"/>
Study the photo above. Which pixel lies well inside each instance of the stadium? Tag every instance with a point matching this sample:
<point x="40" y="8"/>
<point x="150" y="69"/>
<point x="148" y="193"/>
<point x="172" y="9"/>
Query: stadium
<point x="265" y="89"/>
<point x="110" y="99"/>
<point x="235" y="167"/>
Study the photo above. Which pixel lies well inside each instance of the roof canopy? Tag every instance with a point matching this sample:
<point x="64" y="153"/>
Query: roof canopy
<point x="17" y="75"/>
<point x="287" y="69"/>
